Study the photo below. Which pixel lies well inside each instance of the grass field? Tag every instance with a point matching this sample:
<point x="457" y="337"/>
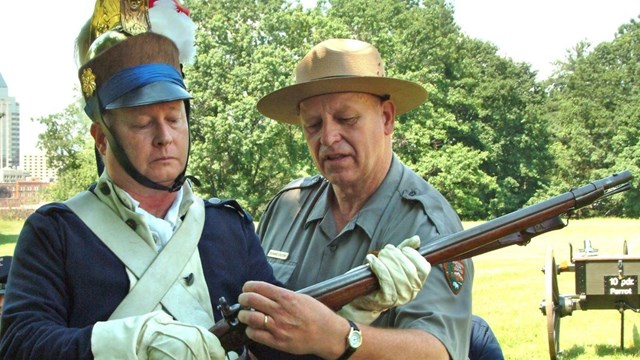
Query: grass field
<point x="509" y="286"/>
<point x="9" y="230"/>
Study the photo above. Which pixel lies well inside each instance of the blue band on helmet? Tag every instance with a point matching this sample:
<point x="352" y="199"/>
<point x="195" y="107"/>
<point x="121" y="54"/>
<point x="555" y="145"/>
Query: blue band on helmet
<point x="134" y="77"/>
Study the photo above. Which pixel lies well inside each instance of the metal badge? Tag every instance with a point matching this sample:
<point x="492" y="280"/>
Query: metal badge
<point x="88" y="82"/>
<point x="134" y="16"/>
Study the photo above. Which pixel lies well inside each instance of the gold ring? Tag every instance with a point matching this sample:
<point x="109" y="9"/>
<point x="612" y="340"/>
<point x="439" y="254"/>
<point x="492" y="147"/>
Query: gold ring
<point x="266" y="321"/>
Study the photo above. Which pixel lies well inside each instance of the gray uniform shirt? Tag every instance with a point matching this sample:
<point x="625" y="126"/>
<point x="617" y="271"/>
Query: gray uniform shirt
<point x="302" y="244"/>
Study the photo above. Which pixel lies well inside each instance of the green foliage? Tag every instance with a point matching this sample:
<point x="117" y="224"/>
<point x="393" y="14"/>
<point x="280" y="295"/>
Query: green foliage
<point x="593" y="109"/>
<point x="244" y="53"/>
<point x="64" y="138"/>
<point x="73" y="181"/>
<point x="69" y="149"/>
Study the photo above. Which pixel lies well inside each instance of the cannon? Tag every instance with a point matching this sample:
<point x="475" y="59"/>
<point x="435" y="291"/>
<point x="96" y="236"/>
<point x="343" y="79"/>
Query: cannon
<point x="602" y="282"/>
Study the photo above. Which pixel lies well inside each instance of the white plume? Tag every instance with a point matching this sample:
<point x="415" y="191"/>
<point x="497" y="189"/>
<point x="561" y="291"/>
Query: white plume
<point x="166" y="20"/>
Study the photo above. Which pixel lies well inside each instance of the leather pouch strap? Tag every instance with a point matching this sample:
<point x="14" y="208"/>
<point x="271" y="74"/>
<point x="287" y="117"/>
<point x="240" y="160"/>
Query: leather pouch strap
<point x="158" y="274"/>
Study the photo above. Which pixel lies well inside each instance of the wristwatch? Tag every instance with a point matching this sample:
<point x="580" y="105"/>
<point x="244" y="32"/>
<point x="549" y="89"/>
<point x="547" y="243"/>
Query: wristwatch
<point x="354" y="340"/>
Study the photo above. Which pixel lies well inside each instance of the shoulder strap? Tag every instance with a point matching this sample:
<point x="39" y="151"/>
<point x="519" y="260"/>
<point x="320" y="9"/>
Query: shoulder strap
<point x="302" y="183"/>
<point x="158" y="274"/>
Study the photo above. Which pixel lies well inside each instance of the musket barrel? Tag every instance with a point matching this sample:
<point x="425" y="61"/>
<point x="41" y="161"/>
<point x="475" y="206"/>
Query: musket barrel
<point x="341" y="290"/>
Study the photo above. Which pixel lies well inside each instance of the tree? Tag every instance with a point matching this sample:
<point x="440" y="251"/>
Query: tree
<point x="69" y="149"/>
<point x="71" y="182"/>
<point x="499" y="101"/>
<point x="243" y="53"/>
<point x="594" y="113"/>
<point x="490" y="137"/>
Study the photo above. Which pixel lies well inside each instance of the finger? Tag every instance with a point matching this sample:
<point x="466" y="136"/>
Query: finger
<point x="259" y="327"/>
<point x="252" y="300"/>
<point x="403" y="271"/>
<point x="398" y="263"/>
<point x="387" y="295"/>
<point x="412" y="242"/>
<point x="270" y="291"/>
<point x="423" y="267"/>
<point x="262" y="296"/>
<point x="261" y="287"/>
<point x="256" y="320"/>
<point x="263" y="328"/>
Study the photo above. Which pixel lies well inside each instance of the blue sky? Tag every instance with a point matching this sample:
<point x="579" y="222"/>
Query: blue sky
<point x="541" y="31"/>
<point x="38" y="65"/>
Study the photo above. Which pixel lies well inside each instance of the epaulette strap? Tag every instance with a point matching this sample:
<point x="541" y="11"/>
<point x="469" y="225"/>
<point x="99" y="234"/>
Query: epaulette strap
<point x="232" y="204"/>
<point x="433" y="203"/>
<point x="302" y="183"/>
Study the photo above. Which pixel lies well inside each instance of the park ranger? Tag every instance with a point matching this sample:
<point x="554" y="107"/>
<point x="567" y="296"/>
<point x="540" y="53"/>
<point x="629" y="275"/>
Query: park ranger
<point x="363" y="199"/>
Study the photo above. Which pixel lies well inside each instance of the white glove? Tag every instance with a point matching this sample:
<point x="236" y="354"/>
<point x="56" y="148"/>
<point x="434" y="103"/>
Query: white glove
<point x="153" y="336"/>
<point x="401" y="272"/>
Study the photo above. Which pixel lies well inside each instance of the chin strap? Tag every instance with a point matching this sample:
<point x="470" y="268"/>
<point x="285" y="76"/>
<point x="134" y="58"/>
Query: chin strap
<point x="126" y="164"/>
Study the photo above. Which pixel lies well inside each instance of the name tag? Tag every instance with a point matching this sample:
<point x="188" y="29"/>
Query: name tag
<point x="278" y="254"/>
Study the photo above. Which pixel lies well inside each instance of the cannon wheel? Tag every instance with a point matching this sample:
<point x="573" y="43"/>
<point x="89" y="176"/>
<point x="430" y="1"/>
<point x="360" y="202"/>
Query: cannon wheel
<point x="552" y="300"/>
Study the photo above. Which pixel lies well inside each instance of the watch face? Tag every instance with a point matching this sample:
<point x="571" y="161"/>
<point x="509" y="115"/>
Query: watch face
<point x="355" y="339"/>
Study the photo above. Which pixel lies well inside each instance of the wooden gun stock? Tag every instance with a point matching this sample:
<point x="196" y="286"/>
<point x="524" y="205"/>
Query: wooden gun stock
<point x="517" y="227"/>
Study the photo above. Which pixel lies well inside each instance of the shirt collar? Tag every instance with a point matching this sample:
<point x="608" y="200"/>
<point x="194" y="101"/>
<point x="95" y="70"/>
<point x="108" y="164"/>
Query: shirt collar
<point x="178" y="208"/>
<point x="368" y="218"/>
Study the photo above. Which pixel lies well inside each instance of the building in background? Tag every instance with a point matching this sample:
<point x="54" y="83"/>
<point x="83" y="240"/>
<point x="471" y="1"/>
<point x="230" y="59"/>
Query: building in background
<point x="21" y="183"/>
<point x="36" y="165"/>
<point x="18" y="189"/>
<point x="8" y="175"/>
<point x="20" y="194"/>
<point x="9" y="128"/>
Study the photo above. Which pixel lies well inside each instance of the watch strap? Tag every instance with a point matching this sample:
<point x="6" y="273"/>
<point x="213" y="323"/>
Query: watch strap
<point x="349" y="350"/>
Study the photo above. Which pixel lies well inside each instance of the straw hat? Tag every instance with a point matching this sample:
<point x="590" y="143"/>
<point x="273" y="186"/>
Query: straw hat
<point x="340" y="65"/>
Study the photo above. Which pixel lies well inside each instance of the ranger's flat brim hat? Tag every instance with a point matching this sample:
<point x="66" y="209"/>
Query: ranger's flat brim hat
<point x="340" y="65"/>
<point x="140" y="70"/>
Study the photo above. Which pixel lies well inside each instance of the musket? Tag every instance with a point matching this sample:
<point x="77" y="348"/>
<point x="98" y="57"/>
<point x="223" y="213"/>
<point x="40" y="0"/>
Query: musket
<point x="517" y="227"/>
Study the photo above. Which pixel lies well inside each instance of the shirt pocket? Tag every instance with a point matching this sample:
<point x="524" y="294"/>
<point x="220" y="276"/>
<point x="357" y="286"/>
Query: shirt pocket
<point x="283" y="269"/>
